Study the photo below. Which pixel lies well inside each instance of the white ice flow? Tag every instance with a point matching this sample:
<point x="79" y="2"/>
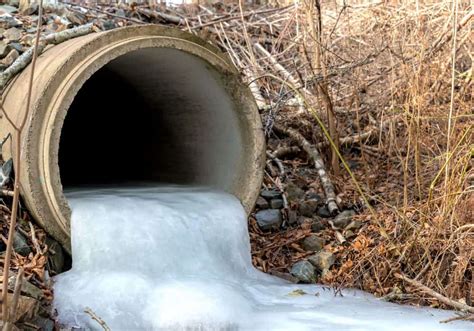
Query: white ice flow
<point x="175" y="258"/>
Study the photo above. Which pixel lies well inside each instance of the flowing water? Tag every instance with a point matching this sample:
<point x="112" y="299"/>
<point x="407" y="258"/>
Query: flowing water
<point x="178" y="258"/>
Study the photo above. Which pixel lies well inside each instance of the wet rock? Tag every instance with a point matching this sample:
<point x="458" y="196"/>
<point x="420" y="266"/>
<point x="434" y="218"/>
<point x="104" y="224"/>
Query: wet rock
<point x="270" y="194"/>
<point x="284" y="275"/>
<point x="304" y="271"/>
<point x="294" y="193"/>
<point x="322" y="260"/>
<point x="323" y="212"/>
<point x="20" y="244"/>
<point x="8" y="21"/>
<point x="312" y="243"/>
<point x="343" y="219"/>
<point x="11" y="57"/>
<point x="269" y="219"/>
<point x="276" y="203"/>
<point x="308" y="207"/>
<point x="262" y="203"/>
<point x="4" y="49"/>
<point x="56" y="257"/>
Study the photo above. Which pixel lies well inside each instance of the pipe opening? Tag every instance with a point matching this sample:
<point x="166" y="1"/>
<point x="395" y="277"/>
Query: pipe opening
<point x="154" y="115"/>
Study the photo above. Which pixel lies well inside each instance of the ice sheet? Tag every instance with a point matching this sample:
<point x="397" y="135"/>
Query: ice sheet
<point x="178" y="258"/>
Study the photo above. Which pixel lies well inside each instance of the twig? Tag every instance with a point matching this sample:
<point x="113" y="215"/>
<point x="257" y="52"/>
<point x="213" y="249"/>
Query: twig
<point x="318" y="164"/>
<point x="33" y="238"/>
<point x="434" y="294"/>
<point x="103" y="12"/>
<point x="23" y="60"/>
<point x="96" y="318"/>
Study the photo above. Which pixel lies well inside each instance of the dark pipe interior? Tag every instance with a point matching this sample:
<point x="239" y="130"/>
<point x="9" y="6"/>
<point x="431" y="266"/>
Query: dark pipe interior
<point x="154" y="114"/>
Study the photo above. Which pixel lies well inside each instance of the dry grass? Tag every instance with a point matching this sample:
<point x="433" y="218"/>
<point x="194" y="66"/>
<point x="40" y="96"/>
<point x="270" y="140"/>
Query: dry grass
<point x="399" y="76"/>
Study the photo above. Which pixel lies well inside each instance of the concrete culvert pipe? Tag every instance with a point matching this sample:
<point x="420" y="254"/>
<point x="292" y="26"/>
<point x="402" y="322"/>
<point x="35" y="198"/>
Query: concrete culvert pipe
<point x="130" y="105"/>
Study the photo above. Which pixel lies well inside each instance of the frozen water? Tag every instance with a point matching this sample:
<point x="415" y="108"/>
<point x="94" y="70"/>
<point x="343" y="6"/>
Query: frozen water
<point x="177" y="258"/>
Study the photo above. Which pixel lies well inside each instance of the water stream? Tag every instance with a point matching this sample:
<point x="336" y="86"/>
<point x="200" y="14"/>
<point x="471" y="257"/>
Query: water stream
<point x="178" y="258"/>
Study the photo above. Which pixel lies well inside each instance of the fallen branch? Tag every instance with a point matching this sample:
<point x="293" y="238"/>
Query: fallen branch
<point x="23" y="60"/>
<point x="436" y="295"/>
<point x="96" y="318"/>
<point x="313" y="153"/>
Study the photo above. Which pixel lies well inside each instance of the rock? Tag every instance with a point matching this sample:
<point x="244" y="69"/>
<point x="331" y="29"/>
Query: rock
<point x="30" y="9"/>
<point x="314" y="196"/>
<point x="108" y="25"/>
<point x="27" y="288"/>
<point x="14" y="3"/>
<point x="11" y="57"/>
<point x="284" y="275"/>
<point x="262" y="203"/>
<point x="308" y="207"/>
<point x="41" y="323"/>
<point x="269" y="219"/>
<point x="343" y="219"/>
<point x="354" y="225"/>
<point x="12" y="34"/>
<point x="322" y="260"/>
<point x="294" y="193"/>
<point x="323" y="212"/>
<point x="26" y="308"/>
<point x="292" y="217"/>
<point x="20" y="245"/>
<point x="270" y="194"/>
<point x="8" y="21"/>
<point x="8" y="9"/>
<point x="17" y="46"/>
<point x="317" y="225"/>
<point x="276" y="203"/>
<point x="56" y="257"/>
<point x="312" y="243"/>
<point x="303" y="220"/>
<point x="4" y="49"/>
<point x="304" y="271"/>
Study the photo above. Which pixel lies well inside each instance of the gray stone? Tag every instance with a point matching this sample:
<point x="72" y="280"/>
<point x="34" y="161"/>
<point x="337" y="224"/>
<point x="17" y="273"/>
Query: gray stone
<point x="312" y="243"/>
<point x="323" y="212"/>
<point x="8" y="21"/>
<point x="308" y="207"/>
<point x="317" y="225"/>
<point x="294" y="193"/>
<point x="322" y="260"/>
<point x="27" y="288"/>
<point x="11" y="57"/>
<point x="8" y="9"/>
<point x="303" y="220"/>
<point x="276" y="203"/>
<point x="270" y="194"/>
<point x="4" y="49"/>
<point x="314" y="196"/>
<point x="269" y="219"/>
<point x="343" y="219"/>
<point x="262" y="203"/>
<point x="354" y="225"/>
<point x="292" y="217"/>
<point x="56" y="256"/>
<point x="20" y="245"/>
<point x="304" y="271"/>
<point x="17" y="46"/>
<point x="12" y="34"/>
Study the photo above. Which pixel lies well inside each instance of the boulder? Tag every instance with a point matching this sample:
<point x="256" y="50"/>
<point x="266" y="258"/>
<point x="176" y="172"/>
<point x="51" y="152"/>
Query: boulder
<point x="303" y="271"/>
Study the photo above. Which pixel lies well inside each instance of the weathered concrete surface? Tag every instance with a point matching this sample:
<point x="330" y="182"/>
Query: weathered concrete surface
<point x="203" y="123"/>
